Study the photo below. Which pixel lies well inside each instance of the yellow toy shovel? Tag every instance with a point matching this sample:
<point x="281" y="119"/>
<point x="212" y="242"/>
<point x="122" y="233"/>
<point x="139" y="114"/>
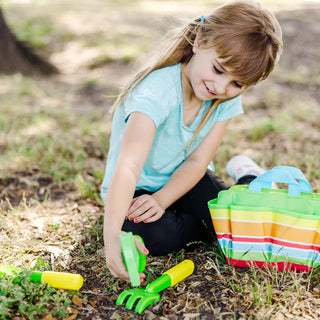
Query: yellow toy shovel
<point x="59" y="280"/>
<point x="150" y="294"/>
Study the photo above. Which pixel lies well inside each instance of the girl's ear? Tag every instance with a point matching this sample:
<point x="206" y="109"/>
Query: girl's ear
<point x="196" y="44"/>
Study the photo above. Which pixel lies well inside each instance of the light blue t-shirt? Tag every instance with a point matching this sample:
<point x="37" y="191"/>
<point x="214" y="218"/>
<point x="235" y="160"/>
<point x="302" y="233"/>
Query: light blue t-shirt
<point x="159" y="96"/>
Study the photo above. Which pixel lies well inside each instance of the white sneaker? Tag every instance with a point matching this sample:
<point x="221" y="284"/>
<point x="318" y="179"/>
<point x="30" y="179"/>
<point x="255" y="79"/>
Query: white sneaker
<point x="240" y="166"/>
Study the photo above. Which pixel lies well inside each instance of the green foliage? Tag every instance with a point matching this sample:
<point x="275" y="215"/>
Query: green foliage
<point x="90" y="83"/>
<point x="19" y="295"/>
<point x="41" y="265"/>
<point x="261" y="128"/>
<point x="88" y="188"/>
<point x="34" y="34"/>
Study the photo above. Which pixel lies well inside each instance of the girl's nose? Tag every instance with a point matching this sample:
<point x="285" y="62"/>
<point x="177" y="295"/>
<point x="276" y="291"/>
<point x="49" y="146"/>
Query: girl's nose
<point x="221" y="86"/>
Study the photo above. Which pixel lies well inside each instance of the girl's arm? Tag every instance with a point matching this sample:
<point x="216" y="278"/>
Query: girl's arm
<point x="187" y="175"/>
<point x="134" y="149"/>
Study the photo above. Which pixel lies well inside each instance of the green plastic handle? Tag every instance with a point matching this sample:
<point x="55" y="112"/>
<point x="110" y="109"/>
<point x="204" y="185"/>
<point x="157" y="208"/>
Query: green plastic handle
<point x="134" y="260"/>
<point x="159" y="284"/>
<point x="172" y="276"/>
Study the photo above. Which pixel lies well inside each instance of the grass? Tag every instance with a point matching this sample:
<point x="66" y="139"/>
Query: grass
<point x="27" y="137"/>
<point x="269" y="292"/>
<point x="57" y="130"/>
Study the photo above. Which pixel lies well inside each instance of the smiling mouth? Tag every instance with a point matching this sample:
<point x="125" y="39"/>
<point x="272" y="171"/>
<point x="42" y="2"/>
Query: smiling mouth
<point x="210" y="92"/>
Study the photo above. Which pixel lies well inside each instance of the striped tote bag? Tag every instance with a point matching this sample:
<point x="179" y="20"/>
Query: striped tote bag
<point x="260" y="226"/>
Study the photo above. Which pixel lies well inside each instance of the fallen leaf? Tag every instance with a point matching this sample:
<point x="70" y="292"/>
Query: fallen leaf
<point x="92" y="303"/>
<point x="73" y="310"/>
<point x="77" y="301"/>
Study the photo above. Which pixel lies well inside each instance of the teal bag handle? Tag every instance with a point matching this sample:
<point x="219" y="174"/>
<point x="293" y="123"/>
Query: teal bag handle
<point x="282" y="174"/>
<point x="297" y="174"/>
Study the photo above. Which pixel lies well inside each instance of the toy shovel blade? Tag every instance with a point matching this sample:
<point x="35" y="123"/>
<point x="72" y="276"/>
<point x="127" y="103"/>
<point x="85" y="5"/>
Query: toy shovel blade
<point x="142" y="296"/>
<point x="9" y="270"/>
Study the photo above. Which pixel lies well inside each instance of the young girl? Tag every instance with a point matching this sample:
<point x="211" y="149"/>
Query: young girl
<point x="169" y="123"/>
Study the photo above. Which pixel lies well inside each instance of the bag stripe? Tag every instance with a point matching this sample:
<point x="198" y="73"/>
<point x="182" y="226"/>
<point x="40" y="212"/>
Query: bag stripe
<point x="265" y="257"/>
<point x="261" y="264"/>
<point x="239" y="214"/>
<point x="268" y="251"/>
<point x="262" y="228"/>
<point x="268" y="239"/>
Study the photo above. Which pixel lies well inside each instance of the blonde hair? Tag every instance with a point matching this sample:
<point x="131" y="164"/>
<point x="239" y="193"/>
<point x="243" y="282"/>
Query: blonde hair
<point x="246" y="37"/>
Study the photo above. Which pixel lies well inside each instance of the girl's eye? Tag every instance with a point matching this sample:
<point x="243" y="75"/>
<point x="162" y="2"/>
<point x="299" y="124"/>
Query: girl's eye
<point x="217" y="70"/>
<point x="238" y="85"/>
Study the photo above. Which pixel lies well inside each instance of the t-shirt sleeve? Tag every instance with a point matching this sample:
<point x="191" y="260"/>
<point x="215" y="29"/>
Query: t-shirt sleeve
<point x="148" y="98"/>
<point x="229" y="109"/>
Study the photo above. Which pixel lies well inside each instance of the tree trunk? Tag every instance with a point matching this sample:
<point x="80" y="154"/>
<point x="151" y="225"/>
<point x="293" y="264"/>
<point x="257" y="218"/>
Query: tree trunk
<point x="18" y="57"/>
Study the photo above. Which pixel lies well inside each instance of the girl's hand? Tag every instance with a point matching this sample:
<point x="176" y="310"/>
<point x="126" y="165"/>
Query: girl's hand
<point x="114" y="259"/>
<point x="145" y="208"/>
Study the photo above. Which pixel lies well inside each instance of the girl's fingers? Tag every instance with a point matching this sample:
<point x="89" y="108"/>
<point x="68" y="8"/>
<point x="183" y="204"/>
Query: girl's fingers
<point x="142" y="210"/>
<point x="142" y="277"/>
<point x="137" y="215"/>
<point x="145" y="216"/>
<point x="140" y="246"/>
<point x="134" y="205"/>
<point x="152" y="218"/>
<point x="149" y="217"/>
<point x="137" y="207"/>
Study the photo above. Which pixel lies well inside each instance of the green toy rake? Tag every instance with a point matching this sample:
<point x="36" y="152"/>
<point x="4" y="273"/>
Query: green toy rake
<point x="145" y="297"/>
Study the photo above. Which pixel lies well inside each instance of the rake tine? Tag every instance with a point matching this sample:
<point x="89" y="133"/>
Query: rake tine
<point x="123" y="295"/>
<point x="145" y="302"/>
<point x="131" y="301"/>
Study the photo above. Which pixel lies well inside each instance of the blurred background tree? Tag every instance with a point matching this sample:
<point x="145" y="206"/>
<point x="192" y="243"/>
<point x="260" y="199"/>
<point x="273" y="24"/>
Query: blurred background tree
<point x="18" y="56"/>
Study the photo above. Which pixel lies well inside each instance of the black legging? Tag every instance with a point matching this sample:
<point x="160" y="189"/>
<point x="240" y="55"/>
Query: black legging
<point x="186" y="221"/>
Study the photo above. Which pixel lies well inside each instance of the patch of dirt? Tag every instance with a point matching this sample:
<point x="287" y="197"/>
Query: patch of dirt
<point x="191" y="299"/>
<point x="33" y="185"/>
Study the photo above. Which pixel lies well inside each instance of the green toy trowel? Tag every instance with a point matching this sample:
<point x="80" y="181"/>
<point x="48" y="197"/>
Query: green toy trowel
<point x="134" y="260"/>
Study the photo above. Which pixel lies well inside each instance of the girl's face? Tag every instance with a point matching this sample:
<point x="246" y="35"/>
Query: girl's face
<point x="209" y="79"/>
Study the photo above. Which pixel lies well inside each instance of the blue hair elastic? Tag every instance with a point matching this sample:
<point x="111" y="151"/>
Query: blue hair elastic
<point x="202" y="19"/>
